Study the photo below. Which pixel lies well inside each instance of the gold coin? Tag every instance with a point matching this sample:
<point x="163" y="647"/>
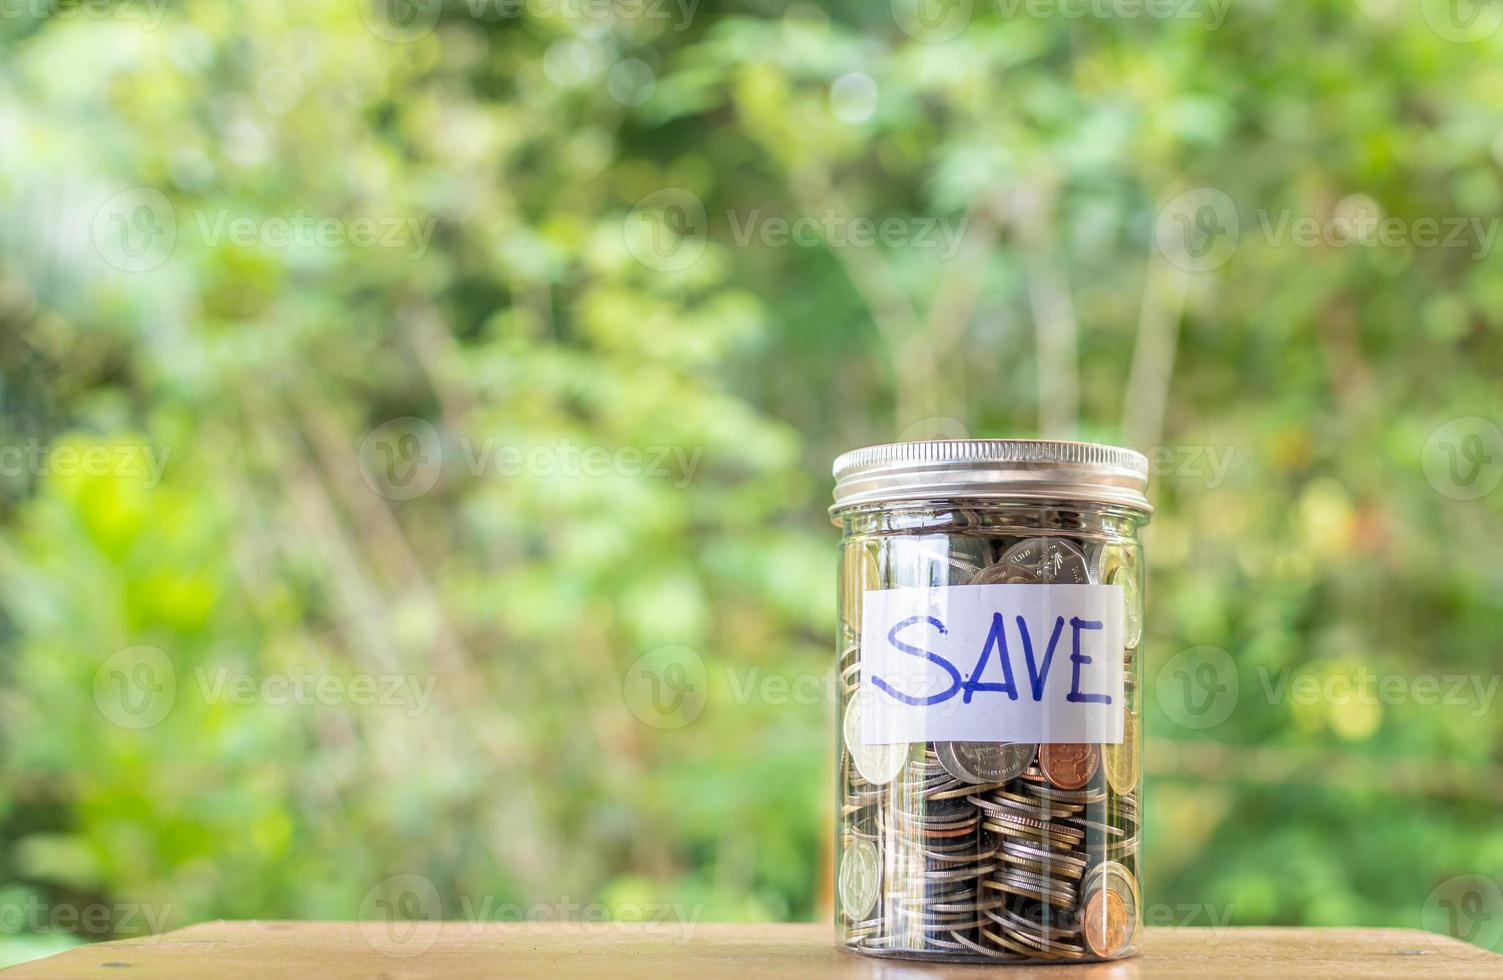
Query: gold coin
<point x="1122" y="758"/>
<point x="1110" y="558"/>
<point x="859" y="573"/>
<point x="1132" y="606"/>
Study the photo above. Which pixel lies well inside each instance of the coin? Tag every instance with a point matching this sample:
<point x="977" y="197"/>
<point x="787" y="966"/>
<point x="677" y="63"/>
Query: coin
<point x="1033" y="945"/>
<point x="1041" y="860"/>
<point x="1051" y="560"/>
<point x="1110" y="557"/>
<point x="1106" y="922"/>
<point x="1069" y="765"/>
<point x="1132" y="606"/>
<point x="1039" y="787"/>
<point x="995" y="954"/>
<point x="860" y="866"/>
<point x="1039" y="920"/>
<point x="858" y="574"/>
<point x="985" y="762"/>
<point x="1057" y="836"/>
<point x="1027" y="803"/>
<point x="1119" y="872"/>
<point x="1041" y="888"/>
<point x="850" y="674"/>
<point x="1117" y="934"/>
<point x="1122" y="759"/>
<point x="1107" y="873"/>
<point x="877" y="764"/>
<point x="1004" y="573"/>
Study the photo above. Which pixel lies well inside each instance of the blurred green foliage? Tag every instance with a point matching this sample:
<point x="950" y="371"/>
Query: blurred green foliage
<point x="257" y="371"/>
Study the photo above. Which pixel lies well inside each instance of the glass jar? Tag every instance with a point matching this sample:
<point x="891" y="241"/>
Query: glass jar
<point x="990" y="728"/>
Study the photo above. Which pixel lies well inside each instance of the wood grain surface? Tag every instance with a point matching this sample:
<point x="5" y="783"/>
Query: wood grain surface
<point x="563" y="951"/>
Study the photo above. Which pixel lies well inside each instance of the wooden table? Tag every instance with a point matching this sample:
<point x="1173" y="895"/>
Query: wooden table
<point x="564" y="951"/>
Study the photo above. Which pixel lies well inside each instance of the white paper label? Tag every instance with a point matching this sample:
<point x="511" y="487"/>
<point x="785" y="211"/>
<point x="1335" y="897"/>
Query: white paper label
<point x="992" y="663"/>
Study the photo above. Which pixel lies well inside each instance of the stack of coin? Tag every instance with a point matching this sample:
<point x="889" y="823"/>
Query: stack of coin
<point x="938" y="859"/>
<point x="849" y="670"/>
<point x="1041" y="861"/>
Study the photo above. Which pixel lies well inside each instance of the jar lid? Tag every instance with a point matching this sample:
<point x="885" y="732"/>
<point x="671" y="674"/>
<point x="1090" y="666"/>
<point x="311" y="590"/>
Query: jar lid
<point x="991" y="468"/>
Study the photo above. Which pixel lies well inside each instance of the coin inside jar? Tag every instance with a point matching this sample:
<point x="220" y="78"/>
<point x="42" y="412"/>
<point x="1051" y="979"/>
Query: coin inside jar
<point x="1122" y="758"/>
<point x="985" y="762"/>
<point x="860" y="867"/>
<point x="1004" y="573"/>
<point x="1132" y="617"/>
<point x="1105" y="923"/>
<point x="1069" y="765"/>
<point x="1110" y="557"/>
<point x="1111" y="899"/>
<point x="1050" y="560"/>
<point x="860" y="574"/>
<point x="878" y="764"/>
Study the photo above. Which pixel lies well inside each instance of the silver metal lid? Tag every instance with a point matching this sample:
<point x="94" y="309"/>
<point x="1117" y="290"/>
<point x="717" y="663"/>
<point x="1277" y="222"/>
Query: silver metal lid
<point x="991" y="468"/>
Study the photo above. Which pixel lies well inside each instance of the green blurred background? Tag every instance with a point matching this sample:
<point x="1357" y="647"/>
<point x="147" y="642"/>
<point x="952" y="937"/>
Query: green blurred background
<point x="417" y="418"/>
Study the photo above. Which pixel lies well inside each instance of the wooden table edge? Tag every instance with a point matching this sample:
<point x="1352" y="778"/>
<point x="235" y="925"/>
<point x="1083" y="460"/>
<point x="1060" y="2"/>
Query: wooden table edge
<point x="228" y="950"/>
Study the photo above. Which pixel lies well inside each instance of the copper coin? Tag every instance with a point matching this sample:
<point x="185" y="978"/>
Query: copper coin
<point x="1069" y="765"/>
<point x="1106" y="923"/>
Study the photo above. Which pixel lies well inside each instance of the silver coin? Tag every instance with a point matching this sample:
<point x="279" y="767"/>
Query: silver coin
<point x="1052" y="560"/>
<point x="976" y="904"/>
<point x="1043" y="809"/>
<point x="1036" y="887"/>
<point x="996" y="954"/>
<point x="985" y="762"/>
<point x="1004" y="573"/>
<point x="923" y="907"/>
<point x="944" y="875"/>
<point x="877" y="764"/>
<point x="860" y="870"/>
<point x="946" y="945"/>
<point x="1039" y="921"/>
<point x="1069" y="797"/>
